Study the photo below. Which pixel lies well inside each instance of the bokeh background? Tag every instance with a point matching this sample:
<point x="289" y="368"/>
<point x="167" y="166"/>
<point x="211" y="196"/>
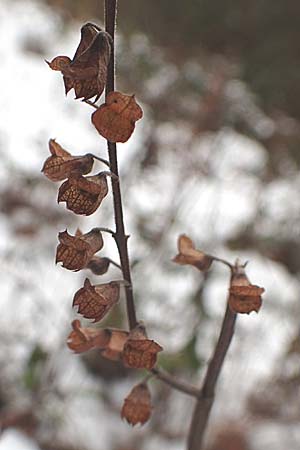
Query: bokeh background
<point x="217" y="157"/>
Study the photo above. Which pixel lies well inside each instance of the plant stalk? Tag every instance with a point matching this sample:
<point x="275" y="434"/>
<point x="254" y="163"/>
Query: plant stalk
<point x="120" y="235"/>
<point x="205" y="401"/>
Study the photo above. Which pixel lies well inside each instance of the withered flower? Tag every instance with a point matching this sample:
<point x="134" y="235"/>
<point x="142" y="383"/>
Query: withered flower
<point x="75" y="252"/>
<point x="115" y="119"/>
<point x="94" y="302"/>
<point x="83" y="195"/>
<point x="61" y="164"/>
<point x="140" y="352"/>
<point x="137" y="406"/>
<point x="86" y="72"/>
<point x="82" y="339"/>
<point x="188" y="254"/>
<point x="244" y="297"/>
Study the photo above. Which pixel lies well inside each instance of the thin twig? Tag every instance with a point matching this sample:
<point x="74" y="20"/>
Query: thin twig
<point x="114" y="263"/>
<point x="175" y="383"/>
<point x="206" y="398"/>
<point x="120" y="235"/>
<point x="104" y="161"/>
<point x="221" y="260"/>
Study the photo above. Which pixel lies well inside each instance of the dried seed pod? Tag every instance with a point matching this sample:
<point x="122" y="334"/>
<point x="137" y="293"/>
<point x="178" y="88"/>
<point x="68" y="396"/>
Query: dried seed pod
<point x="82" y="339"/>
<point x="99" y="266"/>
<point x="139" y="351"/>
<point x="94" y="302"/>
<point x="61" y="164"/>
<point x="115" y="119"/>
<point x="75" y="252"/>
<point x="83" y="195"/>
<point x="115" y="346"/>
<point x="189" y="255"/>
<point x="86" y="73"/>
<point x="244" y="297"/>
<point x="137" y="406"/>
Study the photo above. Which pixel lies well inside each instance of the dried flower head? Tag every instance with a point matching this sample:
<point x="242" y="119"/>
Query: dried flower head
<point x="75" y="252"/>
<point x="61" y="164"/>
<point x="137" y="406"/>
<point x="82" y="339"/>
<point x="244" y="297"/>
<point x="86" y="72"/>
<point x="188" y="254"/>
<point x="83" y="195"/>
<point x="94" y="302"/>
<point x="139" y="351"/>
<point x="115" y="119"/>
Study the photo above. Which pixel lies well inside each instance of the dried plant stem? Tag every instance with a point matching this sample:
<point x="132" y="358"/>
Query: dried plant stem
<point x="181" y="386"/>
<point x="119" y="235"/>
<point x="206" y="398"/>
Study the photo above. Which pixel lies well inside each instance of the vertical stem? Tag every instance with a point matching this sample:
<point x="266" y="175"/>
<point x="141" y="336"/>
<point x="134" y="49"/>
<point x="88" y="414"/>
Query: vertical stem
<point x="120" y="235"/>
<point x="206" y="398"/>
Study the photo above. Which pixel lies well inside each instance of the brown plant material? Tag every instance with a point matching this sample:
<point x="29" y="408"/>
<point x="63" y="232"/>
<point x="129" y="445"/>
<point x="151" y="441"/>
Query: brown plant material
<point x="61" y="164"/>
<point x="115" y="346"/>
<point x="87" y="71"/>
<point x="137" y="406"/>
<point x="94" y="302"/>
<point x="243" y="296"/>
<point x="188" y="254"/>
<point x="99" y="266"/>
<point x="83" y="195"/>
<point x="75" y="252"/>
<point x="139" y="351"/>
<point x="115" y="119"/>
<point x="82" y="339"/>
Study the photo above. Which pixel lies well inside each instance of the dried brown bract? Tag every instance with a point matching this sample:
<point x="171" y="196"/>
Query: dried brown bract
<point x="82" y="339"/>
<point x="83" y="195"/>
<point x="94" y="302"/>
<point x="75" y="252"/>
<point x="188" y="254"/>
<point x="137" y="406"/>
<point x="87" y="71"/>
<point x="139" y="351"/>
<point x="61" y="164"/>
<point x="115" y="119"/>
<point x="243" y="296"/>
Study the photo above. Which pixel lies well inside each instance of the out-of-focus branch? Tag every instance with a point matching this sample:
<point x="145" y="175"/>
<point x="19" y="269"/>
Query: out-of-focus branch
<point x="206" y="397"/>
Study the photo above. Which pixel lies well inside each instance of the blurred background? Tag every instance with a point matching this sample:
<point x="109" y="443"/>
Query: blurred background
<point x="216" y="156"/>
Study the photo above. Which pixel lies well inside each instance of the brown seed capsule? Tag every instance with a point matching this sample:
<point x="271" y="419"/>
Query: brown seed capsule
<point x="114" y="348"/>
<point x="189" y="255"/>
<point x="61" y="164"/>
<point x="86" y="73"/>
<point x="83" y="195"/>
<point x="243" y="296"/>
<point x="137" y="406"/>
<point x="115" y="119"/>
<point x="139" y="351"/>
<point x="99" y="266"/>
<point x="76" y="251"/>
<point x="94" y="302"/>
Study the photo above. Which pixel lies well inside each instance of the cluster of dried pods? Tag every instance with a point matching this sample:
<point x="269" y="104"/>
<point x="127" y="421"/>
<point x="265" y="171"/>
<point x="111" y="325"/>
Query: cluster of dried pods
<point x="115" y="121"/>
<point x="83" y="194"/>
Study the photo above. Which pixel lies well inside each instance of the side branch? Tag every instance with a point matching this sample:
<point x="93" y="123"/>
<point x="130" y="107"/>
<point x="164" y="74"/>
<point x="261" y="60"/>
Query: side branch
<point x="120" y="236"/>
<point x="206" y="398"/>
<point x="174" y="383"/>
